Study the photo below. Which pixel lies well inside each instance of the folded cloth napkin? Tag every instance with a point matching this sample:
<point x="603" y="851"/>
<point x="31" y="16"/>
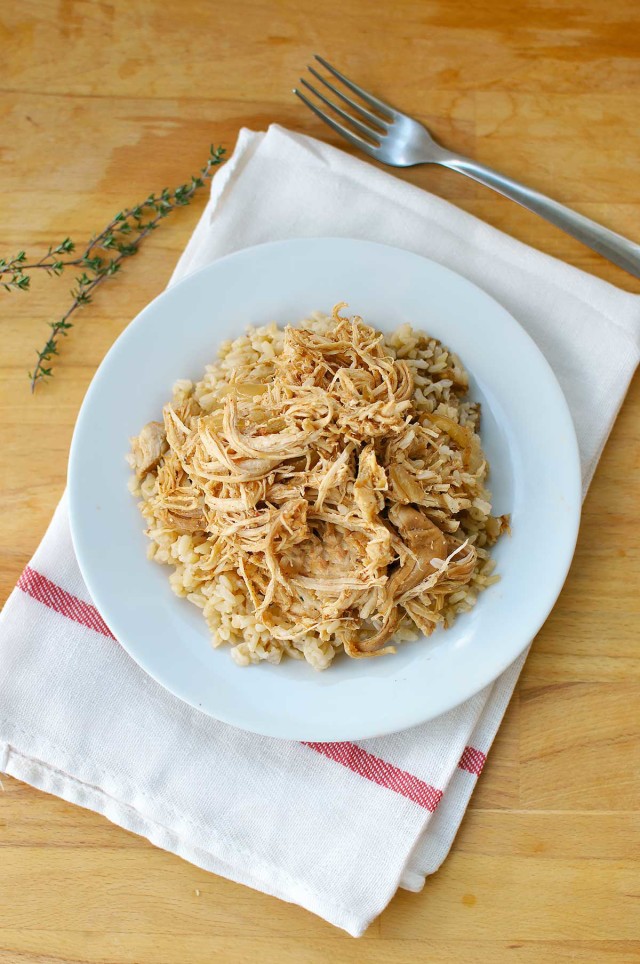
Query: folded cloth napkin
<point x="334" y="827"/>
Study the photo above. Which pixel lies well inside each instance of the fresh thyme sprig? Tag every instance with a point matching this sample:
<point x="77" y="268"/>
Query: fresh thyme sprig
<point x="12" y="270"/>
<point x="101" y="259"/>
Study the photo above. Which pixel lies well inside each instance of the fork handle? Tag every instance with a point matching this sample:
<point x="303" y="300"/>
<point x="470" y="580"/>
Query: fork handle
<point x="613" y="246"/>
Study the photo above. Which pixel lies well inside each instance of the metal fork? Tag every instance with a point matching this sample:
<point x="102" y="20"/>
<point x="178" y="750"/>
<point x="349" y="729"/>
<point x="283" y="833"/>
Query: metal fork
<point x="397" y="139"/>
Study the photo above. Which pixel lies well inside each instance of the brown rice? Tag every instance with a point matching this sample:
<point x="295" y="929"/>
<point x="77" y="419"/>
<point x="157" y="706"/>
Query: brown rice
<point x="456" y="497"/>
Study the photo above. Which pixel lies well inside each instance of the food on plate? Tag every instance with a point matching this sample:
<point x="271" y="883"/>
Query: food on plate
<point x="320" y="489"/>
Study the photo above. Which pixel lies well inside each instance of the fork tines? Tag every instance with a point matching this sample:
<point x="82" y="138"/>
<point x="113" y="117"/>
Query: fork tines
<point x="367" y="128"/>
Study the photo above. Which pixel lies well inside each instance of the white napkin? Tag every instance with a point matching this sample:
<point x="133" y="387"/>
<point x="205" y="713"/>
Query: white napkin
<point x="333" y="827"/>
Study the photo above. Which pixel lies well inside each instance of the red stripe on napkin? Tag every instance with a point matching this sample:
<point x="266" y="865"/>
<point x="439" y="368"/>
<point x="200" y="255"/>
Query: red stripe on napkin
<point x="472" y="760"/>
<point x="58" y="599"/>
<point x="379" y="771"/>
<point x="349" y="755"/>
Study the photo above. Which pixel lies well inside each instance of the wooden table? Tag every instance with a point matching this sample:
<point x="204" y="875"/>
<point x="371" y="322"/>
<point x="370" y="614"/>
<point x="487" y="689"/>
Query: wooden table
<point x="103" y="102"/>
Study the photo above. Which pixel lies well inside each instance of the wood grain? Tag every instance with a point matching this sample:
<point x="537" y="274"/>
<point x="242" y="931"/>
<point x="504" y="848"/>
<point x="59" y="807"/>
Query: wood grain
<point x="103" y="102"/>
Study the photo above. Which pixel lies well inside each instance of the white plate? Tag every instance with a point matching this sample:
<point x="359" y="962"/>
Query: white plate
<point x="527" y="433"/>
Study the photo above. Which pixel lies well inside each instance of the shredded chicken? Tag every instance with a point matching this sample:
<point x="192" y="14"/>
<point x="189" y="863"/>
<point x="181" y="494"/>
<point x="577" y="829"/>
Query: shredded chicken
<point x="345" y="506"/>
<point x="147" y="449"/>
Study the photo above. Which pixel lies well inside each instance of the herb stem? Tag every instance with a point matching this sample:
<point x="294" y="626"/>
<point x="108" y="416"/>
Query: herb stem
<point x="102" y="258"/>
